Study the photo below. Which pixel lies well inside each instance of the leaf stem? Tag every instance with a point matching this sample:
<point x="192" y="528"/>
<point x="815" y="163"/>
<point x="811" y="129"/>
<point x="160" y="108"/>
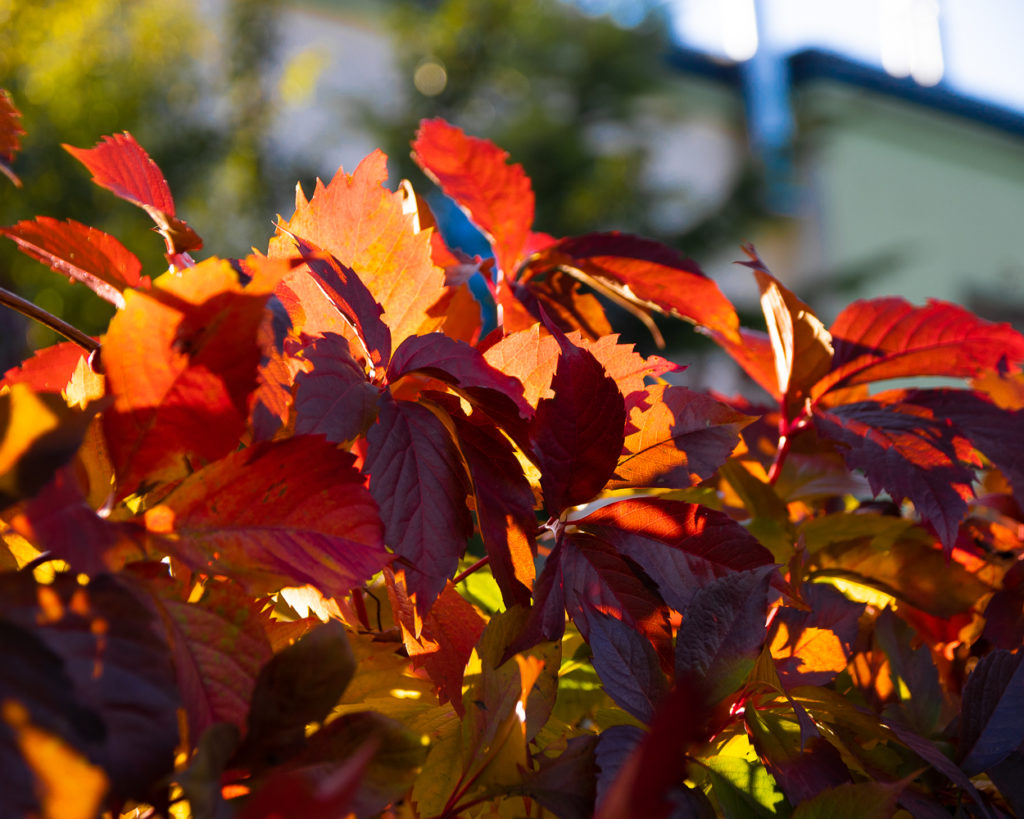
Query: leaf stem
<point x="27" y="308"/>
<point x="483" y="561"/>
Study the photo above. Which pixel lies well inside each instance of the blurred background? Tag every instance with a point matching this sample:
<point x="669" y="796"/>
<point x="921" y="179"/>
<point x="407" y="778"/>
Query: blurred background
<point x="867" y="148"/>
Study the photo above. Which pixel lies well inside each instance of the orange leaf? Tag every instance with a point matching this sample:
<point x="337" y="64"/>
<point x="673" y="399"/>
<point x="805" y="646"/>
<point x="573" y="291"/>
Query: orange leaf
<point x="366" y="228"/>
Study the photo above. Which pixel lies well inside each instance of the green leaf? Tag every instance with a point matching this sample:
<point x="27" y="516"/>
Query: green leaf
<point x="864" y="800"/>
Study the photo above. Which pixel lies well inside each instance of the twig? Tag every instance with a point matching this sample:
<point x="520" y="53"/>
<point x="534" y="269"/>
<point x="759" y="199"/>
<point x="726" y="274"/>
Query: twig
<point x="27" y="308"/>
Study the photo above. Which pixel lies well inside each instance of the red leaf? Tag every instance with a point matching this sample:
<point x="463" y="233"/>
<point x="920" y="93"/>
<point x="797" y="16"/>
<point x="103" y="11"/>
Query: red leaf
<point x="681" y="546"/>
<point x="577" y="435"/>
<point x="122" y="166"/>
<point x="181" y="363"/>
<point x="890" y="338"/>
<point x="464" y="368"/>
<point x="47" y="370"/>
<point x="641" y="272"/>
<point x="334" y="398"/>
<point x="417" y="478"/>
<point x="752" y="350"/>
<point x="904" y="450"/>
<point x="218" y="645"/>
<point x="10" y="135"/>
<point x="496" y="196"/>
<point x="84" y="254"/>
<point x="681" y="437"/>
<point x="366" y="228"/>
<point x="504" y="505"/>
<point x="296" y="513"/>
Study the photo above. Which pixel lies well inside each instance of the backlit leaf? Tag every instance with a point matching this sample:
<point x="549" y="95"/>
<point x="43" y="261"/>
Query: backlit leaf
<point x="643" y="273"/>
<point x="10" y="135"/>
<point x="83" y="254"/>
<point x="218" y="646"/>
<point x="122" y="166"/>
<point x="46" y="370"/>
<point x="495" y="195"/>
<point x="910" y="454"/>
<point x="681" y="437"/>
<point x="681" y="546"/>
<point x="181" y="363"/>
<point x="297" y="513"/>
<point x="891" y="338"/>
<point x="420" y="484"/>
<point x="366" y="228"/>
<point x="39" y="432"/>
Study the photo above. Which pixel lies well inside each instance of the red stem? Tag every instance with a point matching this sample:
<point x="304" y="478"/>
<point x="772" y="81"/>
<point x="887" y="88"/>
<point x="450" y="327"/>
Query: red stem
<point x="483" y="561"/>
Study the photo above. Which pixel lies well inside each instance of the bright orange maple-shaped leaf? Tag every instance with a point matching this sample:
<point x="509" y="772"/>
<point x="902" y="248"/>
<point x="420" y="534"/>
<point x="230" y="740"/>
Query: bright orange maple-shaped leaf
<point x="364" y="225"/>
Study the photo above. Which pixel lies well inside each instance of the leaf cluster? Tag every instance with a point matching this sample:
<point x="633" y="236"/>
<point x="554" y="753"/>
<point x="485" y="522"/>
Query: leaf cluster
<point x="293" y="537"/>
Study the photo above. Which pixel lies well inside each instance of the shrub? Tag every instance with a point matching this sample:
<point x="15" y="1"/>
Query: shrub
<point x="297" y="537"/>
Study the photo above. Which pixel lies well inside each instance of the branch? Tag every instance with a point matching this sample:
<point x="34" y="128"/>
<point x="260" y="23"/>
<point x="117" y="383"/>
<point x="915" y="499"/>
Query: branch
<point x="27" y="308"/>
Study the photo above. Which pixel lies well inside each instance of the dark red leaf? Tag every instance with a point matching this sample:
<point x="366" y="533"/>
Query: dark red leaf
<point x="643" y="273"/>
<point x="420" y="484"/>
<point x="681" y="546"/>
<point x="504" y="505"/>
<point x="992" y="715"/>
<point x="891" y="338"/>
<point x="10" y="135"/>
<point x="627" y="665"/>
<point x="476" y="174"/>
<point x="464" y="368"/>
<point x="333" y="399"/>
<point x="565" y="784"/>
<point x="577" y="435"/>
<point x="83" y="254"/>
<point x="910" y="454"/>
<point x="296" y="513"/>
<point x="122" y="684"/>
<point x="352" y="299"/>
<point x="680" y="438"/>
<point x="122" y="166"/>
<point x="722" y="632"/>
<point x="915" y="677"/>
<point x="297" y="686"/>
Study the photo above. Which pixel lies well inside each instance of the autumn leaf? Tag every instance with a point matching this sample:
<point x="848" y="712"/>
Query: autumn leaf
<point x="10" y="135"/>
<point x="366" y="228"/>
<point x="119" y="164"/>
<point x="334" y="398"/>
<point x="297" y="513"/>
<point x="680" y="438"/>
<point x="181" y="364"/>
<point x="890" y="338"/>
<point x="992" y="715"/>
<point x="39" y="433"/>
<point x="83" y="254"/>
<point x="801" y="346"/>
<point x="46" y="370"/>
<point x="110" y="668"/>
<point x="640" y="273"/>
<point x="577" y="434"/>
<point x="681" y="546"/>
<point x="495" y="195"/>
<point x="420" y="484"/>
<point x="218" y="645"/>
<point x="909" y="453"/>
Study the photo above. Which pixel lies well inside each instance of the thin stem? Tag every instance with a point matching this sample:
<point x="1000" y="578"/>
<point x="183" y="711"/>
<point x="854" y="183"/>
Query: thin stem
<point x="483" y="561"/>
<point x="27" y="308"/>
